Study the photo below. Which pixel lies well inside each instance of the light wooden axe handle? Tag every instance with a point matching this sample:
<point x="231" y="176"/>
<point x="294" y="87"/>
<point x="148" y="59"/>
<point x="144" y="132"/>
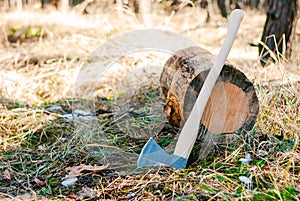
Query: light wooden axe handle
<point x="190" y="129"/>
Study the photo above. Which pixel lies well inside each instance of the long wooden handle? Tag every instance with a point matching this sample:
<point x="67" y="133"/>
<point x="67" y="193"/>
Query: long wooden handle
<point x="189" y="131"/>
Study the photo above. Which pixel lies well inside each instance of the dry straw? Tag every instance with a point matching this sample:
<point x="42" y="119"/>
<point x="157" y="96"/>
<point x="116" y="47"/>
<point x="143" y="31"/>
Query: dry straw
<point x="37" y="143"/>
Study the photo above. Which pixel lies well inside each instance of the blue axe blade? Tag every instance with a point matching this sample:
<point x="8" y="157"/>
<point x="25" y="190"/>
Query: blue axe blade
<point x="153" y="155"/>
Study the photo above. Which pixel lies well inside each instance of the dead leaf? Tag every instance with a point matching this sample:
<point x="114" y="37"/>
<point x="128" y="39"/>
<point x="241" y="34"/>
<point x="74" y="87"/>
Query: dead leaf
<point x="76" y="170"/>
<point x="73" y="196"/>
<point x="6" y="174"/>
<point x="39" y="182"/>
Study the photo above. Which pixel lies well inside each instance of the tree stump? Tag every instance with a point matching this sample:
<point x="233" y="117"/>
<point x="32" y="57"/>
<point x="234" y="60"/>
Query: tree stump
<point x="232" y="107"/>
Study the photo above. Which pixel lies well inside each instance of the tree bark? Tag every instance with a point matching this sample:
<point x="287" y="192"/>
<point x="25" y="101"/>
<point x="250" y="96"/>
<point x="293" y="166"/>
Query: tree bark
<point x="278" y="30"/>
<point x="232" y="107"/>
<point x="222" y="7"/>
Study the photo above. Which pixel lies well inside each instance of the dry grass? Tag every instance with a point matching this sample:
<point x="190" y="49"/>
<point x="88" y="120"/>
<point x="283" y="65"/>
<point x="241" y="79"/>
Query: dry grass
<point x="39" y="71"/>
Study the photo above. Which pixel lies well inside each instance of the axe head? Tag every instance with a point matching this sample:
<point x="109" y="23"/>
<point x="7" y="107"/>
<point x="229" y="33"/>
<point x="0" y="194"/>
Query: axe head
<point x="153" y="155"/>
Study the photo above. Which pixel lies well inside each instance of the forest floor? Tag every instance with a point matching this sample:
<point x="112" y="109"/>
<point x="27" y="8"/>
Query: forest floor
<point x="42" y="146"/>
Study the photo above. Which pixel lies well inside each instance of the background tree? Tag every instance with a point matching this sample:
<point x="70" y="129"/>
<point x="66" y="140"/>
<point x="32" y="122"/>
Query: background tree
<point x="64" y="5"/>
<point x="278" y="30"/>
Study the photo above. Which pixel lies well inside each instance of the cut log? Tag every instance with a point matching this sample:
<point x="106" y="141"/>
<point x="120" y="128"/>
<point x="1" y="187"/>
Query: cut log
<point x="232" y="107"/>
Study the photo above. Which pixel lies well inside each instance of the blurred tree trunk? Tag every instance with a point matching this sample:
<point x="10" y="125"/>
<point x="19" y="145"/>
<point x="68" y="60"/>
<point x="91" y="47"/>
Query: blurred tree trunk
<point x="6" y="4"/>
<point x="145" y="11"/>
<point x="135" y="5"/>
<point x="280" y="23"/>
<point x="19" y="5"/>
<point x="64" y="5"/>
<point x="13" y="4"/>
<point x="120" y="8"/>
<point x="222" y="7"/>
<point x="241" y="4"/>
<point x="29" y="3"/>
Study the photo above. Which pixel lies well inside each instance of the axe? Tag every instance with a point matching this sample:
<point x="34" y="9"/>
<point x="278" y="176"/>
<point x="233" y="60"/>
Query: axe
<point x="152" y="154"/>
